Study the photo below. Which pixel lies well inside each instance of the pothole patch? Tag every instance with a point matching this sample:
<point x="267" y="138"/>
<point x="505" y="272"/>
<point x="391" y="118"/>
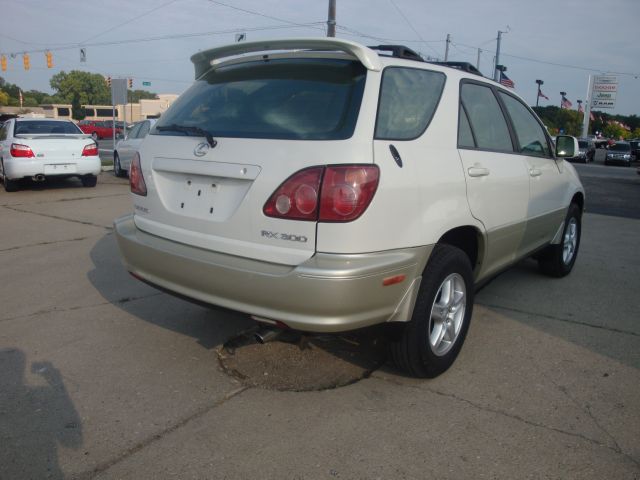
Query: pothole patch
<point x="301" y="362"/>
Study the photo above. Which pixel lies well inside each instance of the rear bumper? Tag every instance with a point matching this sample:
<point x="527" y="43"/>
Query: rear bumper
<point x="327" y="293"/>
<point x="16" y="168"/>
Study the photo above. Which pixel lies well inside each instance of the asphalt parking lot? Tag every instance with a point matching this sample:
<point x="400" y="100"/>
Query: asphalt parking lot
<point x="104" y="377"/>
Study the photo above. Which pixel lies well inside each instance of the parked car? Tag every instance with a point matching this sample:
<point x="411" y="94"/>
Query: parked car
<point x="635" y="149"/>
<point x="99" y="129"/>
<point x="332" y="188"/>
<point x="128" y="146"/>
<point x="41" y="148"/>
<point x="587" y="151"/>
<point x="619" y="153"/>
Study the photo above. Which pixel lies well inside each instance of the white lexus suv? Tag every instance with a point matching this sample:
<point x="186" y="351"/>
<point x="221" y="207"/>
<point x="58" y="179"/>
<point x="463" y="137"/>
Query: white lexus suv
<point x="324" y="186"/>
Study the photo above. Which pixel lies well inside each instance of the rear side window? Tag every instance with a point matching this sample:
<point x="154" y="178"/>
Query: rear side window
<point x="296" y="99"/>
<point x="45" y="127"/>
<point x="408" y="100"/>
<point x="531" y="137"/>
<point x="144" y="129"/>
<point x="485" y="117"/>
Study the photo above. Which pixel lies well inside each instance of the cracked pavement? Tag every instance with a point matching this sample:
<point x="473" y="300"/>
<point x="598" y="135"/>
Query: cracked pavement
<point x="104" y="377"/>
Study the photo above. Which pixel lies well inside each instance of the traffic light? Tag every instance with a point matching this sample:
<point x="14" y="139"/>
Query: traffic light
<point x="26" y="61"/>
<point x="3" y="63"/>
<point x="130" y="82"/>
<point x="49" y="56"/>
<point x="108" y="80"/>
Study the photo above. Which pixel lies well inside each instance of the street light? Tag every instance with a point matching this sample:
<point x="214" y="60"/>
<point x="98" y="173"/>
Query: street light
<point x="539" y="82"/>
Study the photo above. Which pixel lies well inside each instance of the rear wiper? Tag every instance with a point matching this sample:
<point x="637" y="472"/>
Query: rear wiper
<point x="185" y="129"/>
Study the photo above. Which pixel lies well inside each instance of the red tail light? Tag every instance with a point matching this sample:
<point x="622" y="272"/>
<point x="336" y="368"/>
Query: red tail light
<point x="345" y="193"/>
<point x="90" y="150"/>
<point x="136" y="180"/>
<point x="22" y="151"/>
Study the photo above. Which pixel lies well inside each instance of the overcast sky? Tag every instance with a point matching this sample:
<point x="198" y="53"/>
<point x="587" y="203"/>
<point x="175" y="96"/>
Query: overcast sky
<point x="560" y="42"/>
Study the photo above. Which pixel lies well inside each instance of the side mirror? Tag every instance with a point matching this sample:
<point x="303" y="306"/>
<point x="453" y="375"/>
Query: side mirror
<point x="566" y="146"/>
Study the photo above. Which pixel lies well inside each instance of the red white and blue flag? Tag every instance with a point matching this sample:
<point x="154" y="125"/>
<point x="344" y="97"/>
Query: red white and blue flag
<point x="565" y="103"/>
<point x="540" y="94"/>
<point x="506" y="81"/>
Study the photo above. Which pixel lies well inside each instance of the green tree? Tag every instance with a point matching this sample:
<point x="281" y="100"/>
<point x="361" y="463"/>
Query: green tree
<point x="614" y="131"/>
<point x="80" y="88"/>
<point x="136" y="95"/>
<point x="4" y="98"/>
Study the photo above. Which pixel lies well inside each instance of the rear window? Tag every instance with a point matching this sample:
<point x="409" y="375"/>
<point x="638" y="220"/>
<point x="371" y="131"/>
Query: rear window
<point x="44" y="127"/>
<point x="582" y="144"/>
<point x="294" y="99"/>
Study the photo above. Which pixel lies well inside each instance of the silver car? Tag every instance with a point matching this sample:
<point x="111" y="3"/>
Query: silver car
<point x="129" y="145"/>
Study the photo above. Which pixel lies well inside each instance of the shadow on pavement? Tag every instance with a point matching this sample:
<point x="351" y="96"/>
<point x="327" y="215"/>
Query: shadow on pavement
<point x="211" y="327"/>
<point x="34" y="419"/>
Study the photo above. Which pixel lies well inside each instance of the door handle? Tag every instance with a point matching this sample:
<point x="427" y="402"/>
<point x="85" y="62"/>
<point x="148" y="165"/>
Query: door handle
<point x="478" y="171"/>
<point x="535" y="172"/>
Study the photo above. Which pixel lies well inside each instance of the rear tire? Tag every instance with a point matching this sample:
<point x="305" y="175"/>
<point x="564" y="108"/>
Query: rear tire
<point x="89" y="180"/>
<point x="429" y="344"/>
<point x="10" y="185"/>
<point x="558" y="260"/>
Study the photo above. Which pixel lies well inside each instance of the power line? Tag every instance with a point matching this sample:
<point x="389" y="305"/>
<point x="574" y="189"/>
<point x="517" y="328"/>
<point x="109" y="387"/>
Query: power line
<point x="129" y="21"/>
<point x="166" y="37"/>
<point x="259" y="14"/>
<point x="411" y="25"/>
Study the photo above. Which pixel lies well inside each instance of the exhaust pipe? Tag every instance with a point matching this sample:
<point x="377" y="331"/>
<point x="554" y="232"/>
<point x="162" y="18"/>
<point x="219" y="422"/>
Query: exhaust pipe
<point x="265" y="334"/>
<point x="38" y="178"/>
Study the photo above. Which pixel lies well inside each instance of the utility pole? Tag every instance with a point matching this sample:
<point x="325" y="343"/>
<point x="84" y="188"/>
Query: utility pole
<point x="540" y="83"/>
<point x="446" y="50"/>
<point x="331" y="19"/>
<point x="496" y="73"/>
<point x="478" y="61"/>
<point x="587" y="109"/>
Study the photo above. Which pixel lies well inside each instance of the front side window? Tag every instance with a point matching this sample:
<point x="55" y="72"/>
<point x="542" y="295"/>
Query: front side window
<point x="531" y="137"/>
<point x="408" y="100"/>
<point x="485" y="117"/>
<point x="294" y="99"/>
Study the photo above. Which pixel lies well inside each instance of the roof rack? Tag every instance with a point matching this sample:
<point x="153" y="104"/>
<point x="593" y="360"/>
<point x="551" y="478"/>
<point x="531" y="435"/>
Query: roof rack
<point x="464" y="66"/>
<point x="399" y="51"/>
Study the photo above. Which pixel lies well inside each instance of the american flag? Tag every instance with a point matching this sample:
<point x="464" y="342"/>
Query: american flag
<point x="506" y="81"/>
<point x="565" y="103"/>
<point x="540" y="94"/>
<point x="580" y="108"/>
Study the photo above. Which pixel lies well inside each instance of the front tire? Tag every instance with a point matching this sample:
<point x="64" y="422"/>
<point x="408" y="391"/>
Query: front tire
<point x="558" y="260"/>
<point x="429" y="344"/>
<point x="117" y="168"/>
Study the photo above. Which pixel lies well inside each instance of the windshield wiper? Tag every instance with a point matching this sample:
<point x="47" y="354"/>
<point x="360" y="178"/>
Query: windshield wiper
<point x="186" y="129"/>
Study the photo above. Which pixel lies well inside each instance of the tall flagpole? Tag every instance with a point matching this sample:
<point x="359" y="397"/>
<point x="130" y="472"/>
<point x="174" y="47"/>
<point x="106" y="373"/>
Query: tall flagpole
<point x="587" y="109"/>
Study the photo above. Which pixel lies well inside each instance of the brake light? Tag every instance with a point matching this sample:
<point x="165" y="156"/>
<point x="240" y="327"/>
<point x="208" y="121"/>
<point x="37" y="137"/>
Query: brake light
<point x="339" y="193"/>
<point x="21" y="151"/>
<point x="90" y="150"/>
<point x="136" y="180"/>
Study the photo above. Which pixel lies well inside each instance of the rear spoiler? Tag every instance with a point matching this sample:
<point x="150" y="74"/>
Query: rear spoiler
<point x="51" y="135"/>
<point x="204" y="60"/>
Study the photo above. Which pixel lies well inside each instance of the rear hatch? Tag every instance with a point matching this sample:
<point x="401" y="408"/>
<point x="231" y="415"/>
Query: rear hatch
<point x="266" y="121"/>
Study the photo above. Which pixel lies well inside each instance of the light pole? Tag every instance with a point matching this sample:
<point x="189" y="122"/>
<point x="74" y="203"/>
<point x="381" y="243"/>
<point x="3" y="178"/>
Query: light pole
<point x="539" y="82"/>
<point x="562" y="94"/>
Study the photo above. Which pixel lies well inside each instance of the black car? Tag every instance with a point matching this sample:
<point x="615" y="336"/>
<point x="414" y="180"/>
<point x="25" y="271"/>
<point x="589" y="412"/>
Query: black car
<point x="587" y="151"/>
<point x="635" y="149"/>
<point x="619" y="152"/>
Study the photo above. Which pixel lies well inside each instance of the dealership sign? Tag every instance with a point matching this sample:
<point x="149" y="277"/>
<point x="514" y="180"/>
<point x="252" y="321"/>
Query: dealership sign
<point x="603" y="91"/>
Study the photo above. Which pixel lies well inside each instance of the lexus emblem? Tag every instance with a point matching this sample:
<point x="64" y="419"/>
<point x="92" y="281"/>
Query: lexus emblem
<point x="201" y="150"/>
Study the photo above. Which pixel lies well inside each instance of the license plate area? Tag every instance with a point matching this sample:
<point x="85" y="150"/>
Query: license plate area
<point x="201" y="196"/>
<point x="60" y="168"/>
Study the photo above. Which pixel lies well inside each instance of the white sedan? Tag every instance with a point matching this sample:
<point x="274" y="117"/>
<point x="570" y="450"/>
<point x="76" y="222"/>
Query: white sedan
<point x="41" y="148"/>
